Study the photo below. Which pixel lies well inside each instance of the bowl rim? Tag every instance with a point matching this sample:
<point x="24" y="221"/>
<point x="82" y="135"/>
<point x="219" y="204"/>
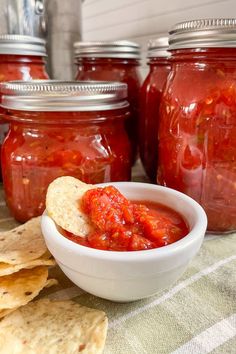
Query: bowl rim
<point x="198" y="231"/>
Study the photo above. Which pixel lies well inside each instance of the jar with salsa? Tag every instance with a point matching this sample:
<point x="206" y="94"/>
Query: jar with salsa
<point x="151" y="91"/>
<point x="61" y="128"/>
<point x="113" y="61"/>
<point x="197" y="135"/>
<point x="21" y="58"/>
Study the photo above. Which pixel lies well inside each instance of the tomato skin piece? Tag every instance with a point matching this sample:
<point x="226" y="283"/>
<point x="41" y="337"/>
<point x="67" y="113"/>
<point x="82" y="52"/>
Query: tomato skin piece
<point x="122" y="225"/>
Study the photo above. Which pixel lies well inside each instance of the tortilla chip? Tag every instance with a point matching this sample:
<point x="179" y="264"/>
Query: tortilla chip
<point x="53" y="327"/>
<point x="6" y="269"/>
<point x="63" y="205"/>
<point x="21" y="287"/>
<point x="5" y="312"/>
<point x="13" y="346"/>
<point x="51" y="282"/>
<point x="22" y="244"/>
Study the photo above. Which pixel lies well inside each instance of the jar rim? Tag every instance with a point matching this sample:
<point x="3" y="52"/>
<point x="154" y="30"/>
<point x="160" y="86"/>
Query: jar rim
<point x="55" y="95"/>
<point x="158" y="47"/>
<point x="17" y="44"/>
<point x="204" y="33"/>
<point x="118" y="49"/>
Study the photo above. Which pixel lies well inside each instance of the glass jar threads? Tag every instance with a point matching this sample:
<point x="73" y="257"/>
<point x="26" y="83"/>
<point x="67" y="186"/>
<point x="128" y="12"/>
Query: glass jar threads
<point x="61" y="128"/>
<point x="197" y="135"/>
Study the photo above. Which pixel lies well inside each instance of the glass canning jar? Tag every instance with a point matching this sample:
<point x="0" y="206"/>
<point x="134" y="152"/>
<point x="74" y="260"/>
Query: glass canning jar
<point x="150" y="98"/>
<point x="61" y="128"/>
<point x="197" y="135"/>
<point x="113" y="61"/>
<point x="21" y="58"/>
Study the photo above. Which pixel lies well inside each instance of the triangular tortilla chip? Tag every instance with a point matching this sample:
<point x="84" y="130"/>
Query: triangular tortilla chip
<point x="22" y="244"/>
<point x="63" y="205"/>
<point x="53" y="327"/>
<point x="7" y="269"/>
<point x="21" y="287"/>
<point x="49" y="283"/>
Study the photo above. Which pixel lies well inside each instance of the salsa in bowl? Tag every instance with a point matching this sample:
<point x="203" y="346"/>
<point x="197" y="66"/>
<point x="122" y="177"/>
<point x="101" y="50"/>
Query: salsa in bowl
<point x="119" y="224"/>
<point x="127" y="276"/>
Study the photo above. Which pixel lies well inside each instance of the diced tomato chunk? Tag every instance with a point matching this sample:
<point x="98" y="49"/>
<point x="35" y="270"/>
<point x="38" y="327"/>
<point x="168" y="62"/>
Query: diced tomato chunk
<point x="107" y="207"/>
<point x="99" y="240"/>
<point x="140" y="243"/>
<point x="120" y="239"/>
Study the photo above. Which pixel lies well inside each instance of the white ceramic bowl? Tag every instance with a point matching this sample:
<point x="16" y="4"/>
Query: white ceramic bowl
<point x="128" y="276"/>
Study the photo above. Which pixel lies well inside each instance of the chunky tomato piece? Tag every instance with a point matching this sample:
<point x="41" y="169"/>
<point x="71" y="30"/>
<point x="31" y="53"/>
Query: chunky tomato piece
<point x="107" y="207"/>
<point x="138" y="243"/>
<point x="120" y="239"/>
<point x="122" y="225"/>
<point x="98" y="240"/>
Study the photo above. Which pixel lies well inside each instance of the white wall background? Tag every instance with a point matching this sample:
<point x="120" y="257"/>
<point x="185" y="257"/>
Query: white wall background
<point x="139" y="20"/>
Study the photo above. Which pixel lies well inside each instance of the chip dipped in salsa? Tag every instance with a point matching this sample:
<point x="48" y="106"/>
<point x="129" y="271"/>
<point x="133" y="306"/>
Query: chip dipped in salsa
<point x="118" y="224"/>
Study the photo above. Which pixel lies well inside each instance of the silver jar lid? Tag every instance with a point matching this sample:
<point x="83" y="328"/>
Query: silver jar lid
<point x="204" y="33"/>
<point x="158" y="48"/>
<point x="63" y="96"/>
<point x="16" y="44"/>
<point x="118" y="49"/>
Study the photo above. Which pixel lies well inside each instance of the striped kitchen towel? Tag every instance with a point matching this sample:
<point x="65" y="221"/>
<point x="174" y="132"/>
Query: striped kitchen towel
<point x="197" y="315"/>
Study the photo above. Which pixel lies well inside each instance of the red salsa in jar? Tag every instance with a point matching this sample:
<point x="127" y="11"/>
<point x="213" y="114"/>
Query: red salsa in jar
<point x="197" y="147"/>
<point x="77" y="130"/>
<point x="119" y="224"/>
<point x="113" y="61"/>
<point x="21" y="58"/>
<point x="150" y="98"/>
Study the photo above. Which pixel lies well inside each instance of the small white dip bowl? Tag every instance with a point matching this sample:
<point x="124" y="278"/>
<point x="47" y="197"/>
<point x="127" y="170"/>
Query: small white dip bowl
<point x="129" y="276"/>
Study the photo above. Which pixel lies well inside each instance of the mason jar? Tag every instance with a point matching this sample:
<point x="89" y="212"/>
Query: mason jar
<point x="21" y="58"/>
<point x="61" y="129"/>
<point x="150" y="98"/>
<point x="113" y="61"/>
<point x="197" y="135"/>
